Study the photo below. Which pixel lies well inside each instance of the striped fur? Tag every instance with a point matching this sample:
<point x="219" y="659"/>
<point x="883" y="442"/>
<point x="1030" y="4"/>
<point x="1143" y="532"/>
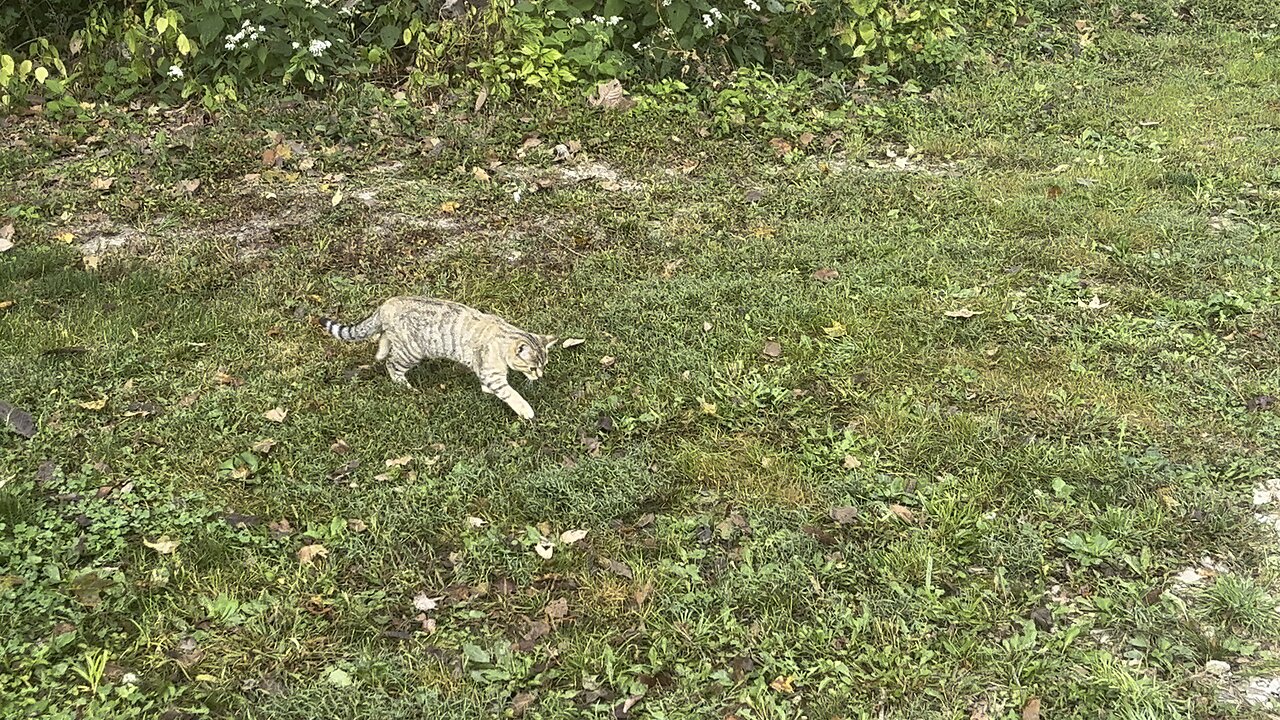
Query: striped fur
<point x="413" y="329"/>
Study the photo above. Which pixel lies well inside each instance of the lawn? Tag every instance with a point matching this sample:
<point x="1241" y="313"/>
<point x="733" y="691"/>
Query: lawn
<point x="964" y="411"/>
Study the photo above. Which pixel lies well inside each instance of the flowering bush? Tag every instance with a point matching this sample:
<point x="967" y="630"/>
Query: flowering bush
<point x="211" y="48"/>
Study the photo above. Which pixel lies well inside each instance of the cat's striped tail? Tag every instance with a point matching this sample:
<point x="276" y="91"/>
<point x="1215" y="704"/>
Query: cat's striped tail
<point x="363" y="330"/>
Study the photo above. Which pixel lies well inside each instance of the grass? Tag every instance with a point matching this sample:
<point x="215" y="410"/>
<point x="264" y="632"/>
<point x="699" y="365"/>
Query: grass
<point x="1027" y="485"/>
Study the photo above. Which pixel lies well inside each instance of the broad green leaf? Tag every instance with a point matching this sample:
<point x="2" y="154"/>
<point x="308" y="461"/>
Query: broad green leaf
<point x="679" y="14"/>
<point x="475" y="653"/>
<point x="407" y="36"/>
<point x="162" y="24"/>
<point x="184" y="45"/>
<point x="41" y="74"/>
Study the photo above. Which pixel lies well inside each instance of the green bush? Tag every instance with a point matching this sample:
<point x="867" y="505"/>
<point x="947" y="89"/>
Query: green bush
<point x="214" y="48"/>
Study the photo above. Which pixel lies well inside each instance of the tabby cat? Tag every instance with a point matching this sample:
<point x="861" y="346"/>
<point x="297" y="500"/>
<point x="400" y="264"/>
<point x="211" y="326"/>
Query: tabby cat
<point x="413" y="329"/>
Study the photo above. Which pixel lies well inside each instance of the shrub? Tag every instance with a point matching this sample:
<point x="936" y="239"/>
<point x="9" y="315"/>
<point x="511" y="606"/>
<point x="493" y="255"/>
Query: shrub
<point x="214" y="47"/>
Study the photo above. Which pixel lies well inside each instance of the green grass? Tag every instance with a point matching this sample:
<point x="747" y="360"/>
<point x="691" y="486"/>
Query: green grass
<point x="1057" y="466"/>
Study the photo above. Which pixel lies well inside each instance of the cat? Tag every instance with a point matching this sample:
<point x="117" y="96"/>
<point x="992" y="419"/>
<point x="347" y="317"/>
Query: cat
<point x="413" y="329"/>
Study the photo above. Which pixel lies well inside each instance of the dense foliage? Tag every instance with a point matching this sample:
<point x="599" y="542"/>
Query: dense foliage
<point x="214" y="48"/>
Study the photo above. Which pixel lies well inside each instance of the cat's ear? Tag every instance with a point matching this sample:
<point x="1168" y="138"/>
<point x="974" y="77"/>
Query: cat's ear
<point x="548" y="341"/>
<point x="524" y="352"/>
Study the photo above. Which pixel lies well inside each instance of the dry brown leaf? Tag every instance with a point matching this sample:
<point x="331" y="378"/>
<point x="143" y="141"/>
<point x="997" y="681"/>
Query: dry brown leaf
<point x="1031" y="711"/>
<point x="1053" y="192"/>
<point x="307" y="554"/>
<point x="610" y="96"/>
<point x="276" y="415"/>
<point x="226" y="379"/>
<point x="557" y="609"/>
<point x="162" y="545"/>
<point x="448" y="207"/>
<point x="850" y="462"/>
<point x="845" y="515"/>
<point x="904" y="513"/>
<point x="782" y="684"/>
<point x="400" y="461"/>
<point x="262" y="447"/>
<point x="356" y="525"/>
<point x="94" y="405"/>
<point x="780" y="147"/>
<point x="1094" y="304"/>
<point x="480" y="174"/>
<point x="826" y="274"/>
<point x="571" y="343"/>
<point x="102" y="184"/>
<point x="805" y="138"/>
<point x="339" y="447"/>
<point x="481" y="97"/>
<point x="962" y="313"/>
<point x="569" y="537"/>
<point x="642" y="593"/>
<point x="608" y="361"/>
<point x="6" y="237"/>
<point x="772" y="348"/>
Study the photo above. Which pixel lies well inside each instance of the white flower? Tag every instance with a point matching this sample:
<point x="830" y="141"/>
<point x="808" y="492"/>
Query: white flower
<point x="716" y="14"/>
<point x="175" y="71"/>
<point x="752" y="4"/>
<point x="576" y="21"/>
<point x="129" y="679"/>
<point x="318" y="47"/>
<point x="635" y="46"/>
<point x="296" y="45"/>
<point x="706" y="20"/>
<point x="614" y="20"/>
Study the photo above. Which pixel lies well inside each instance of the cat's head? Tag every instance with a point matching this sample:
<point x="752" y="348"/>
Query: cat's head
<point x="529" y="354"/>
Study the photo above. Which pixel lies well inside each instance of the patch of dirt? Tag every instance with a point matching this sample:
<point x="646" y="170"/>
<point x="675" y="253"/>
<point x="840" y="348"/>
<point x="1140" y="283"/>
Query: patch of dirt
<point x="574" y="173"/>
<point x="97" y="234"/>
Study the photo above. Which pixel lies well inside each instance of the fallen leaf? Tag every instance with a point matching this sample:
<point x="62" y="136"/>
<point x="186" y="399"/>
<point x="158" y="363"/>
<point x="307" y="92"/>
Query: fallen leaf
<point x="610" y="185"/>
<point x="571" y="343"/>
<point x="610" y="96"/>
<point x="826" y="274"/>
<point x="1087" y="182"/>
<point x="307" y="554"/>
<point x="481" y="97"/>
<point x="963" y="313"/>
<point x="620" y="569"/>
<point x="608" y="361"/>
<point x="754" y="196"/>
<point x="1259" y="403"/>
<point x="356" y="525"/>
<point x="162" y="545"/>
<point x="276" y="415"/>
<point x="780" y="147"/>
<point x="846" y="515"/>
<point x="337" y="198"/>
<point x="400" y="461"/>
<point x="1031" y="711"/>
<point x="448" y="207"/>
<point x="1094" y="304"/>
<point x="476" y="522"/>
<point x="772" y="348"/>
<point x="641" y="594"/>
<point x="783" y="684"/>
<point x="850" y="462"/>
<point x="805" y="138"/>
<point x="94" y="405"/>
<point x="225" y="379"/>
<point x="544" y="549"/>
<point x="102" y="184"/>
<point x="262" y="447"/>
<point x="339" y="447"/>
<point x="1053" y="192"/>
<point x="904" y="513"/>
<point x="424" y="603"/>
<point x="835" y="329"/>
<point x="18" y="420"/>
<point x="280" y="528"/>
<point x="569" y="537"/>
<point x="65" y="237"/>
<point x="91" y="262"/>
<point x="480" y="174"/>
<point x="521" y="703"/>
<point x="189" y="186"/>
<point x="6" y="304"/>
<point x="557" y="609"/>
<point x="6" y="237"/>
